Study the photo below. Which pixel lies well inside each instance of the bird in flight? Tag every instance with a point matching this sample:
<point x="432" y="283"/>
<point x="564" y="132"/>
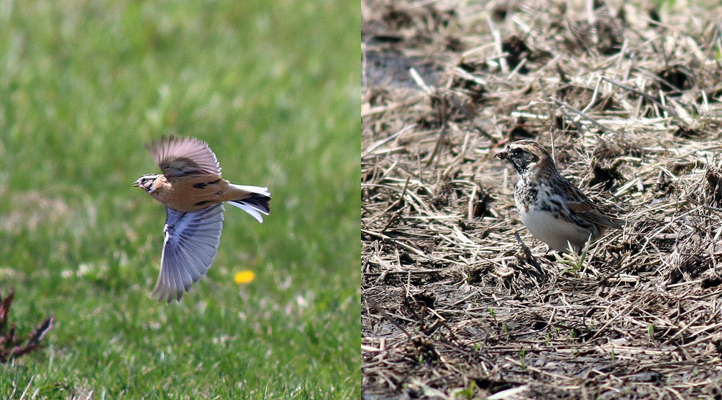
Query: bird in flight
<point x="193" y="192"/>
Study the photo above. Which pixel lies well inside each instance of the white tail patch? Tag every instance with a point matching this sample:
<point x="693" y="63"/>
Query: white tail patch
<point x="253" y="189"/>
<point x="249" y="209"/>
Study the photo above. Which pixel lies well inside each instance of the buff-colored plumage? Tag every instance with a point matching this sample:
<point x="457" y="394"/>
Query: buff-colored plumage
<point x="193" y="192"/>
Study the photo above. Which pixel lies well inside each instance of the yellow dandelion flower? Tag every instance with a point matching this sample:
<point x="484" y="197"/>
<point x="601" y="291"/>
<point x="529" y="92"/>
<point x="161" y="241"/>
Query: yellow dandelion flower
<point x="244" y="277"/>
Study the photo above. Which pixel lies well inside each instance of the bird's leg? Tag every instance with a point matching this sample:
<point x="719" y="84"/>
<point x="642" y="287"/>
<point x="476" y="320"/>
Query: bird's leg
<point x="527" y="252"/>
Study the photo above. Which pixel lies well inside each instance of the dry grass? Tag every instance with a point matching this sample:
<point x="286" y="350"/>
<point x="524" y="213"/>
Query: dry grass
<point x="453" y="305"/>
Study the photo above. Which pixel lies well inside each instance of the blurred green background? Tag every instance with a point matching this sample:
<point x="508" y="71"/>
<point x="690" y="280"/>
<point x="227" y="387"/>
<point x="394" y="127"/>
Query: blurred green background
<point x="273" y="88"/>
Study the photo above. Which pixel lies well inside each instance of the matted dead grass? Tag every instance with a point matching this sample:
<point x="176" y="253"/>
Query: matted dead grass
<point x="454" y="306"/>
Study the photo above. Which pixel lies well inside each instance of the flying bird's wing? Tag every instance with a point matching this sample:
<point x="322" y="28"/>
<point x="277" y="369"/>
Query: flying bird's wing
<point x="191" y="243"/>
<point x="180" y="156"/>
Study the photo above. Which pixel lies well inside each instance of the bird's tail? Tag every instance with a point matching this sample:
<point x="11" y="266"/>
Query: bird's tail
<point x="256" y="202"/>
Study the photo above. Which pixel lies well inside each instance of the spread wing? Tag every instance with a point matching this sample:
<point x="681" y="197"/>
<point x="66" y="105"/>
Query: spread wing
<point x="180" y="156"/>
<point x="191" y="243"/>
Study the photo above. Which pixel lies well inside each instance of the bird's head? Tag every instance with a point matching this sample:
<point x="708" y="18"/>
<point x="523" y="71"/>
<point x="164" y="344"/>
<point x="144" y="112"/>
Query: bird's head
<point x="527" y="156"/>
<point x="146" y="182"/>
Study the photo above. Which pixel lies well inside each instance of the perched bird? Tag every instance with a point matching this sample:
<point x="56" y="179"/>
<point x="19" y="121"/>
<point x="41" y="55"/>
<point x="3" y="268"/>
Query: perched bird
<point x="551" y="208"/>
<point x="193" y="192"/>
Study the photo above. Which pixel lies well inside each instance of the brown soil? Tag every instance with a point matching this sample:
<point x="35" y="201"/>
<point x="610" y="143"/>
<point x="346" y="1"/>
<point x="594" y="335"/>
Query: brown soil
<point x="454" y="305"/>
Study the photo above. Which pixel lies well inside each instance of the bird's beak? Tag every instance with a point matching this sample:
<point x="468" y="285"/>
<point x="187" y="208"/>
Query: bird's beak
<point x="136" y="183"/>
<point x="502" y="155"/>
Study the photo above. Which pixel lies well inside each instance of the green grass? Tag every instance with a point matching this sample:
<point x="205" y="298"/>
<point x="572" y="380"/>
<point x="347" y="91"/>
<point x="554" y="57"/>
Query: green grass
<point x="273" y="88"/>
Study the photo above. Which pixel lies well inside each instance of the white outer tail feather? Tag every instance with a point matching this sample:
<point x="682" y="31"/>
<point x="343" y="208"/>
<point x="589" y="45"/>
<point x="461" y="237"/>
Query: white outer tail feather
<point x="254" y="189"/>
<point x="253" y="211"/>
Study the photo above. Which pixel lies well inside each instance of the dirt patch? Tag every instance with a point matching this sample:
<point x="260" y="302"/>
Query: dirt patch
<point x="453" y="305"/>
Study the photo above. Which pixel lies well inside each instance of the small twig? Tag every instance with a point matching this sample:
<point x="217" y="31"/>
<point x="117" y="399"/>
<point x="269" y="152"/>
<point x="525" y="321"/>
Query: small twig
<point x="586" y="116"/>
<point x="594" y="96"/>
<point x="386" y="140"/>
<point x="713" y="208"/>
<point x="401" y="197"/>
<point x="550" y="105"/>
<point x="394" y="217"/>
<point x="420" y="81"/>
<point x="661" y="50"/>
<point x="643" y="94"/>
<point x="621" y="56"/>
<point x="562" y="75"/>
<point x="442" y="135"/>
<point x="517" y="68"/>
<point x="386" y="315"/>
<point x="499" y="45"/>
<point x="573" y="120"/>
<point x="408" y="280"/>
<point x="404" y="245"/>
<point x="30" y="382"/>
<point x="471" y="204"/>
<point x="527" y="252"/>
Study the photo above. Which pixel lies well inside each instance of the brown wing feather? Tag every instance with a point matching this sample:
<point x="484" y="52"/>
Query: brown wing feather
<point x="582" y="205"/>
<point x="180" y="156"/>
